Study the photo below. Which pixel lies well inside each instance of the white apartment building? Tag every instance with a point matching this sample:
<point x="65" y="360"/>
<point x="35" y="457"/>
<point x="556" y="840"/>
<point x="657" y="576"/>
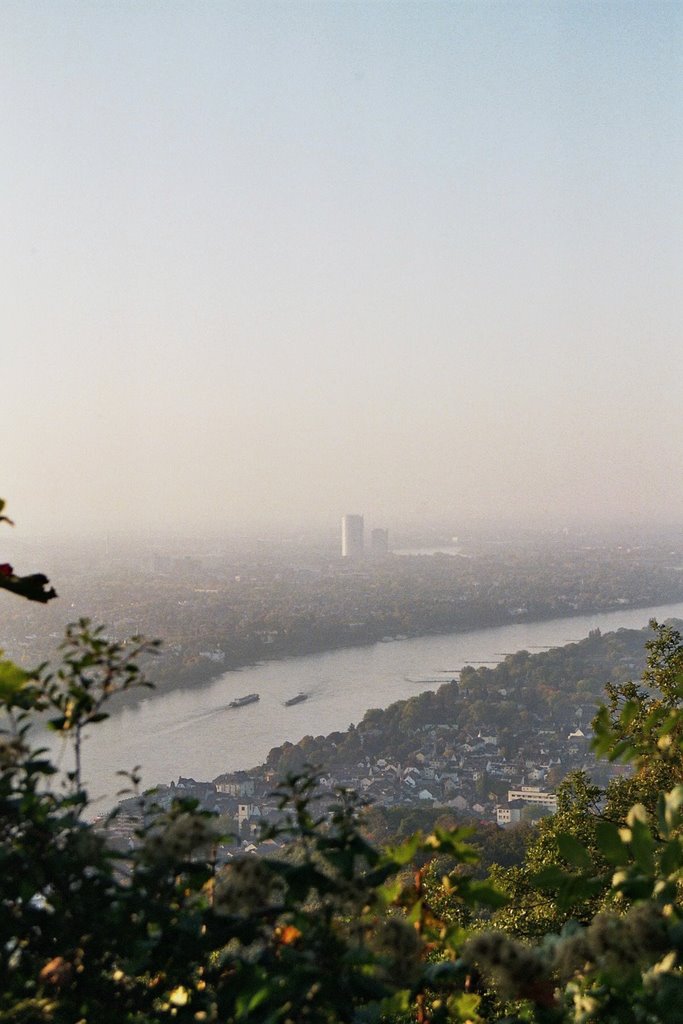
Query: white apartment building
<point x="534" y="795"/>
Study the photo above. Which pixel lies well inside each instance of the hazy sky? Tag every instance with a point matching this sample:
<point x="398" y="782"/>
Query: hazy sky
<point x="272" y="262"/>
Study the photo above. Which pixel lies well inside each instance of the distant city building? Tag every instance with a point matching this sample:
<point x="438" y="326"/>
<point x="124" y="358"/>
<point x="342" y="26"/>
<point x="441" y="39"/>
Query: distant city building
<point x="534" y="795"/>
<point x="379" y="542"/>
<point x="352" y="537"/>
<point x="509" y="813"/>
<point x="239" y="784"/>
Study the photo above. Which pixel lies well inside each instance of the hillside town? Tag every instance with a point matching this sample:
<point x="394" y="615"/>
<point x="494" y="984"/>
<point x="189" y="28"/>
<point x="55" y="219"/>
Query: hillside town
<point x="456" y="757"/>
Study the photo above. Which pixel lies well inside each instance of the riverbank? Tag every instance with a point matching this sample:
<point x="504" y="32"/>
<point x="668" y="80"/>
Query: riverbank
<point x="193" y="733"/>
<point x="207" y="672"/>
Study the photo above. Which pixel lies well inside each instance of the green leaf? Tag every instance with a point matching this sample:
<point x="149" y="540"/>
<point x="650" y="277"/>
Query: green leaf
<point x="396" y="1005"/>
<point x="577" y="889"/>
<point x="672" y="857"/>
<point x="574" y="851"/>
<point x="390" y="891"/>
<point x="60" y="724"/>
<point x="415" y="913"/>
<point x="12" y="680"/>
<point x="248" y="1001"/>
<point x="624" y="751"/>
<point x="485" y="894"/>
<point x="550" y="878"/>
<point x="635" y="887"/>
<point x="642" y="844"/>
<point x="404" y="853"/>
<point x="610" y="843"/>
<point x="464" y="1006"/>
<point x="629" y="712"/>
<point x="453" y="842"/>
<point x="672" y="803"/>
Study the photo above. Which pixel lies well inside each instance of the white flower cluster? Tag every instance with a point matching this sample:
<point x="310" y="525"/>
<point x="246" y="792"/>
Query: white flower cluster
<point x="508" y="963"/>
<point x="243" y="886"/>
<point x="179" y="837"/>
<point x="613" y="942"/>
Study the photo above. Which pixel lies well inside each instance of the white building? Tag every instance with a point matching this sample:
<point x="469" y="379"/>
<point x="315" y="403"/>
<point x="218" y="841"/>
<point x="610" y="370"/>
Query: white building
<point x="534" y="795"/>
<point x="352" y="536"/>
<point x="509" y="813"/>
<point x="237" y="784"/>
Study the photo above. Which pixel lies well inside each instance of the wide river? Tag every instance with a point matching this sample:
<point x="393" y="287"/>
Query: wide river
<point x="193" y="733"/>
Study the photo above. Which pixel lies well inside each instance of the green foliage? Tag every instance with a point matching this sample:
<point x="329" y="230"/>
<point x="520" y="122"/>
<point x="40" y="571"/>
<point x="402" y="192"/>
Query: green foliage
<point x="608" y="899"/>
<point x="330" y="932"/>
<point x="540" y="899"/>
<point x="643" y="724"/>
<point x="588" y="929"/>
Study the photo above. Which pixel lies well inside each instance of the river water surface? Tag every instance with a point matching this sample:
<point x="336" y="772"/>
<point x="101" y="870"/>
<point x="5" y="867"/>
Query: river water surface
<point x="195" y="734"/>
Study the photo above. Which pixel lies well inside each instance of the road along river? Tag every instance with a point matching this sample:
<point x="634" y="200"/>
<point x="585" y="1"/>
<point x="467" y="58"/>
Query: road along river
<point x="194" y="733"/>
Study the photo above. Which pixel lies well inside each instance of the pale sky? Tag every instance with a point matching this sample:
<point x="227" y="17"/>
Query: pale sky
<point x="272" y="262"/>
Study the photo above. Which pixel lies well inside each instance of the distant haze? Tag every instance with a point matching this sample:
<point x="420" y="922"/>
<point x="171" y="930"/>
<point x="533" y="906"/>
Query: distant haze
<point x="272" y="262"/>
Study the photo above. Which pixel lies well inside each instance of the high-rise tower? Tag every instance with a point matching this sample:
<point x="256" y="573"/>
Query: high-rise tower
<point x="352" y="537"/>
